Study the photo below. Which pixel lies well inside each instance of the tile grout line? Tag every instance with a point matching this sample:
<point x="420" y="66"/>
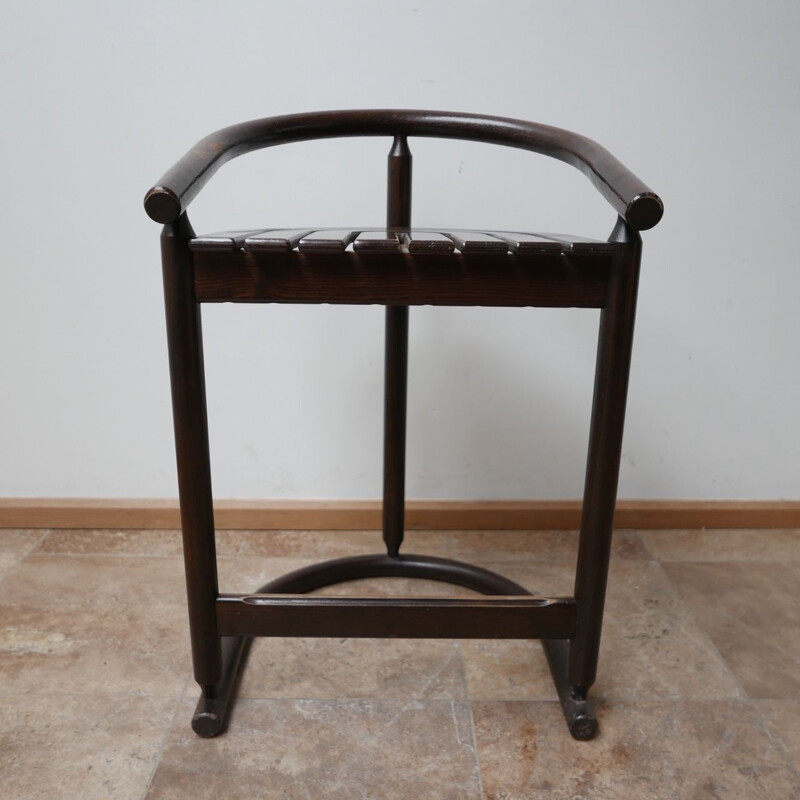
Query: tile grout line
<point x="647" y="549"/>
<point x="451" y="551"/>
<point x="702" y="629"/>
<point x="745" y="698"/>
<point x="165" y="739"/>
<point x="750" y="701"/>
<point x="777" y="741"/>
<point x="463" y="670"/>
<point x="24" y="555"/>
<point x="35" y="546"/>
<point x="235" y="559"/>
<point x="771" y="559"/>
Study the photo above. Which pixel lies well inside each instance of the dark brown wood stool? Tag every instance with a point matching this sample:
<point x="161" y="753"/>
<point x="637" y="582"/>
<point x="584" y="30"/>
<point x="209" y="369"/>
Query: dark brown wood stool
<point x="398" y="266"/>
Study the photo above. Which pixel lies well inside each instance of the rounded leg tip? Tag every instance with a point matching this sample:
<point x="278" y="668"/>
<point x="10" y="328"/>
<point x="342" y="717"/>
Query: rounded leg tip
<point x="206" y="724"/>
<point x="583" y="727"/>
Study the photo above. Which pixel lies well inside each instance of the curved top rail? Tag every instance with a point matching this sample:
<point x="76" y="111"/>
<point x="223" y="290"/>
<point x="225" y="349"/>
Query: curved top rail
<point x="632" y="199"/>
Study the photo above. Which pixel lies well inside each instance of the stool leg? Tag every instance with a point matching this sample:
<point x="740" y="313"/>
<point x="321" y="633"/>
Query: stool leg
<point x="184" y="336"/>
<point x="602" y="471"/>
<point x="398" y="215"/>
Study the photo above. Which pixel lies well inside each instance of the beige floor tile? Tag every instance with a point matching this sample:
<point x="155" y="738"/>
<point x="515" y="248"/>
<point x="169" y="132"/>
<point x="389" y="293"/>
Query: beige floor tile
<point x="550" y="546"/>
<point x="15" y="544"/>
<point x="322" y="545"/>
<point x="80" y="747"/>
<point x="751" y="611"/>
<point x="645" y="751"/>
<point x="72" y="650"/>
<point x="507" y="670"/>
<point x="19" y="541"/>
<point x="58" y="581"/>
<point x="7" y="560"/>
<point x="130" y="542"/>
<point x="783" y="720"/>
<point x="390" y="587"/>
<point x="724" y="545"/>
<point x="337" y="750"/>
<point x="651" y="646"/>
<point x="249" y="573"/>
<point x="101" y="613"/>
<point x="541" y="578"/>
<point x="72" y="624"/>
<point x="354" y="668"/>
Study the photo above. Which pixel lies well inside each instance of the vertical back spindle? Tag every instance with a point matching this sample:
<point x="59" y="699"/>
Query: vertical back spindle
<point x="398" y="215"/>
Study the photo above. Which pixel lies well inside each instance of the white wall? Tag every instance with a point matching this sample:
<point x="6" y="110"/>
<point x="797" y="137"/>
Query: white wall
<point x="700" y="99"/>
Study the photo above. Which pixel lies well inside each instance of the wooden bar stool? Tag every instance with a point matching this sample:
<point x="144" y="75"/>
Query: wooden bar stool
<point x="398" y="266"/>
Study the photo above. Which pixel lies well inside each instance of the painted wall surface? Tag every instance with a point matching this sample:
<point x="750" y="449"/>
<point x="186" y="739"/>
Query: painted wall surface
<point x="698" y="98"/>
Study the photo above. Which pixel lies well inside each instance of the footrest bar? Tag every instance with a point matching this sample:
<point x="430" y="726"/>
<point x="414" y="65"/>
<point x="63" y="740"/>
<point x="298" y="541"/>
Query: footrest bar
<point x="499" y="617"/>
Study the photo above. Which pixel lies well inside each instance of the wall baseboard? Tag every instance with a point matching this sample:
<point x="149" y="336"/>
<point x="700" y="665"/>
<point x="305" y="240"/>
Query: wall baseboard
<point x="420" y="514"/>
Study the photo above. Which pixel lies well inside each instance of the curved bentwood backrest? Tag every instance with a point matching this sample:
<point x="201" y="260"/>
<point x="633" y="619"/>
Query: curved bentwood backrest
<point x="631" y="198"/>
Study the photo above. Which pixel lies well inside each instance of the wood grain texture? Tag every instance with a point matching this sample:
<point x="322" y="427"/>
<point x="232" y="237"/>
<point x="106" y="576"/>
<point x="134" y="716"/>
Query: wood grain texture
<point x="420" y="242"/>
<point x="225" y="240"/>
<point x="274" y="240"/>
<point x="614" y="347"/>
<point x="554" y="280"/>
<point x="326" y="241"/>
<point x="187" y="379"/>
<point x="380" y="241"/>
<point x="626" y="193"/>
<point x="383" y="617"/>
<point x="528" y="243"/>
<point x="66" y="513"/>
<point x="477" y="242"/>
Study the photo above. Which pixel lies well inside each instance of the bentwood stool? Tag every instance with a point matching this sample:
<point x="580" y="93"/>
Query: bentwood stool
<point x="398" y="266"/>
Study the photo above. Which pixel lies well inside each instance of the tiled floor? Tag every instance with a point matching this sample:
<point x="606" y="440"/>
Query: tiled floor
<point x="698" y="694"/>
